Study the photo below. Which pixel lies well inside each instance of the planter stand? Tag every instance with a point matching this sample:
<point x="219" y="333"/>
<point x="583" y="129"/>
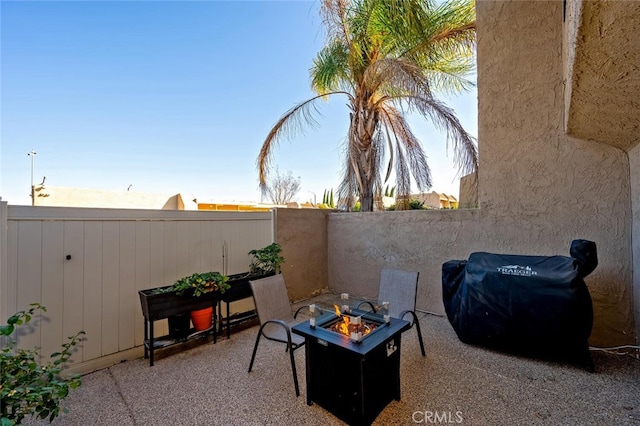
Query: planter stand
<point x="240" y="289"/>
<point x="160" y="306"/>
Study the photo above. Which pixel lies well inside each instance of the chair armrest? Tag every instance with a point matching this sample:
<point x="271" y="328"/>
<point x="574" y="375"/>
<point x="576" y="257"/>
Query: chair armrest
<point x="280" y="323"/>
<point x="414" y="317"/>
<point x="366" y="302"/>
<point x="276" y="321"/>
<point x="298" y="310"/>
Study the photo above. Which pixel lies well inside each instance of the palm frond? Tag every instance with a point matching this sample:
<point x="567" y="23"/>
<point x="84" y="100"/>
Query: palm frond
<point x="348" y="187"/>
<point x="449" y="84"/>
<point x="447" y="35"/>
<point x="330" y="69"/>
<point x="403" y="179"/>
<point x="292" y="122"/>
<point x="379" y="141"/>
<point x="406" y="141"/>
<point x="464" y="145"/>
<point x="392" y="77"/>
<point x="334" y="17"/>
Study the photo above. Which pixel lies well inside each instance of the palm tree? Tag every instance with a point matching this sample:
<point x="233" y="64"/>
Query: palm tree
<point x="388" y="57"/>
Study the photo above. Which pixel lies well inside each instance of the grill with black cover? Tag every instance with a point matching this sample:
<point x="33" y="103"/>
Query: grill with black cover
<point x="532" y="305"/>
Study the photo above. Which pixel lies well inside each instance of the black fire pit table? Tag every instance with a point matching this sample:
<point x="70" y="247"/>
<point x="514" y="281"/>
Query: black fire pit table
<point x="354" y="380"/>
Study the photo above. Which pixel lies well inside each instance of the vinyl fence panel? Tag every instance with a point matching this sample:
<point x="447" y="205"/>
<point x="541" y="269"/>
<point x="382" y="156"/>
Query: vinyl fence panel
<point x="87" y="266"/>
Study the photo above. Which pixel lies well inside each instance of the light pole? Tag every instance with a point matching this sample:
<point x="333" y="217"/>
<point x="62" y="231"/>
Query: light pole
<point x="32" y="154"/>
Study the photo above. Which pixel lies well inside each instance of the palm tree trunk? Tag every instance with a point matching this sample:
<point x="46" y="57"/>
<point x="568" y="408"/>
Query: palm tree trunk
<point x="363" y="155"/>
<point x="366" y="202"/>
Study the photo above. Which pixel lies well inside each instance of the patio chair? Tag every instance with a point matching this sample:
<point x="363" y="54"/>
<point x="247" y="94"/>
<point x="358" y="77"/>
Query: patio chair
<point x="400" y="289"/>
<point x="274" y="312"/>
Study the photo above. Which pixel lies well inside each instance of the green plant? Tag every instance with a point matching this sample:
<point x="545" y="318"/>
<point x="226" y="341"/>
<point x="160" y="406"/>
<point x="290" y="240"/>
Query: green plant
<point x="327" y="198"/>
<point x="412" y="204"/>
<point x="28" y="387"/>
<point x="416" y="204"/>
<point x="266" y="259"/>
<point x="198" y="284"/>
<point x="390" y="192"/>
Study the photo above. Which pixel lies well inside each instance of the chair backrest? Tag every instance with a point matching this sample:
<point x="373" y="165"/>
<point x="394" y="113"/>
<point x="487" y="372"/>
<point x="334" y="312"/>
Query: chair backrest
<point x="399" y="288"/>
<point x="271" y="299"/>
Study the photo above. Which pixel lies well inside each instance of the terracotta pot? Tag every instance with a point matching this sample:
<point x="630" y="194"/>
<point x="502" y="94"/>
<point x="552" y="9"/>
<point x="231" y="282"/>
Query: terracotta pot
<point x="202" y="318"/>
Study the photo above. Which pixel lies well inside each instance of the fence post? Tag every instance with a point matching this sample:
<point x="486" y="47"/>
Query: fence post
<point x="3" y="260"/>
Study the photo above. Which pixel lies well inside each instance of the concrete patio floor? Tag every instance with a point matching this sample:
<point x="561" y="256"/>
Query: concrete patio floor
<point x="207" y="384"/>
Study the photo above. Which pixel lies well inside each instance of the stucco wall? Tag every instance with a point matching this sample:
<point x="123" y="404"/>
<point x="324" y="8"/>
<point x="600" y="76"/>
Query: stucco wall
<point x="538" y="188"/>
<point x="543" y="188"/>
<point x="604" y="79"/>
<point x="361" y="244"/>
<point x="469" y="192"/>
<point x="302" y="233"/>
<point x="634" y="166"/>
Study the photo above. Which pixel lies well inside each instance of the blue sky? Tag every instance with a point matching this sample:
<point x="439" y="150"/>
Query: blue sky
<point x="172" y="96"/>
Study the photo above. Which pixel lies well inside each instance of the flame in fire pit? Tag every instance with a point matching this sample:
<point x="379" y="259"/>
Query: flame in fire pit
<point x="338" y="313"/>
<point x="346" y="327"/>
<point x="343" y="326"/>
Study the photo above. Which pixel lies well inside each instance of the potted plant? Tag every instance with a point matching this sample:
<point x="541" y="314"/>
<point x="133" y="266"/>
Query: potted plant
<point x="188" y="294"/>
<point x="264" y="262"/>
<point x="196" y="285"/>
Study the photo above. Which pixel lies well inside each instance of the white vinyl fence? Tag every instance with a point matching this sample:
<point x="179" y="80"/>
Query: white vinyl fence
<point x="87" y="265"/>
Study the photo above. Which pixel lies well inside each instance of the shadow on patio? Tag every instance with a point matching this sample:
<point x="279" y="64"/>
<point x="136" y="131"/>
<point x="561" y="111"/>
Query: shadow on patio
<point x="208" y="384"/>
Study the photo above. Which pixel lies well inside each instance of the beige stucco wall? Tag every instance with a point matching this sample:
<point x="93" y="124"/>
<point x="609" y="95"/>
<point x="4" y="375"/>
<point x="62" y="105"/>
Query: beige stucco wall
<point x="469" y="191"/>
<point x="361" y="244"/>
<point x="302" y="233"/>
<point x="602" y="53"/>
<point x="634" y="169"/>
<point x="546" y="187"/>
<point x="602" y="71"/>
<point x="538" y="188"/>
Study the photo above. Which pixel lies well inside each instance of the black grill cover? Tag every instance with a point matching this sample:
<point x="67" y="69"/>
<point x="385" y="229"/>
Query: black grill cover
<point x="535" y="305"/>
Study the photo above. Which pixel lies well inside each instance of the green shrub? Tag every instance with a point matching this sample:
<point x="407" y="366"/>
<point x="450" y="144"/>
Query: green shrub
<point x="198" y="284"/>
<point x="28" y="387"/>
<point x="412" y="204"/>
<point x="416" y="204"/>
<point x="266" y="259"/>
